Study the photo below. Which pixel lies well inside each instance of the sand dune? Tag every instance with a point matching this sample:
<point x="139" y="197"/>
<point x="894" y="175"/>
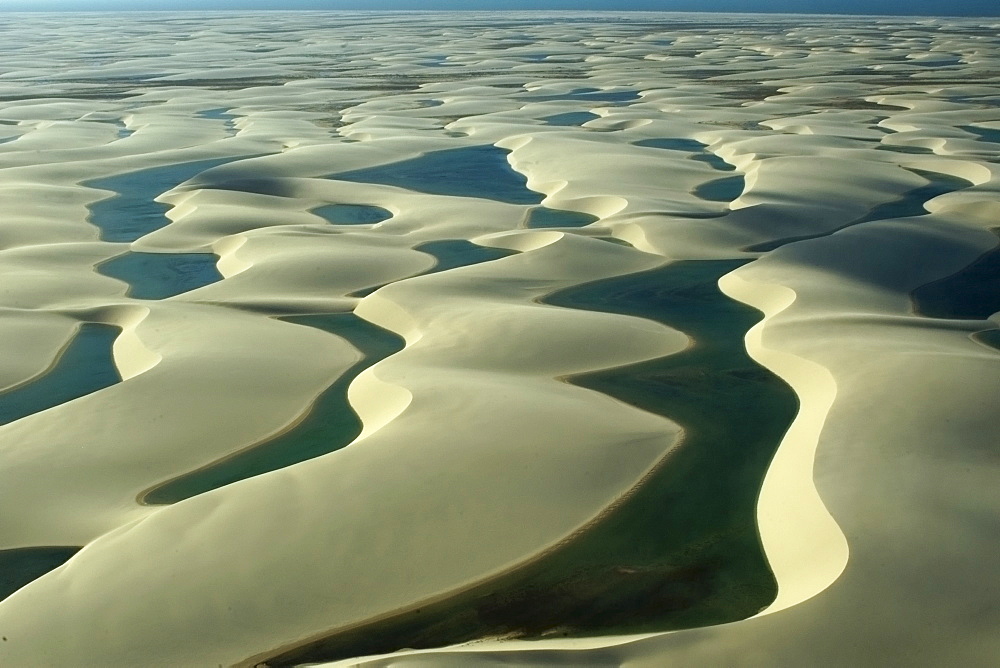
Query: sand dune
<point x="299" y="180"/>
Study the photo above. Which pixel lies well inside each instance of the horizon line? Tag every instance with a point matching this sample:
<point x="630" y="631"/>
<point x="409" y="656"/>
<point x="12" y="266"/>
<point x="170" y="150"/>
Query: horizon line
<point x="232" y="10"/>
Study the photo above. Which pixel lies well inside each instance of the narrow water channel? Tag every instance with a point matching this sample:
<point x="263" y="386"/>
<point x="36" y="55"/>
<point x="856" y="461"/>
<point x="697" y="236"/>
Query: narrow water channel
<point x="450" y="254"/>
<point x="21" y="566"/>
<point x="683" y="550"/>
<point x="330" y="424"/>
<point x="85" y="366"/>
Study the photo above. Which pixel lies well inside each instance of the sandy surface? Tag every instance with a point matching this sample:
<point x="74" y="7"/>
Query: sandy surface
<point x="878" y="513"/>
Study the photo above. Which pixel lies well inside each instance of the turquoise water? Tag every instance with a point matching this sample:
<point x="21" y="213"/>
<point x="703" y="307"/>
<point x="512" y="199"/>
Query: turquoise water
<point x="474" y="171"/>
<point x="571" y="118"/>
<point x="909" y="205"/>
<point x="330" y="424"/>
<point x="541" y="217"/>
<point x="721" y="190"/>
<point x="984" y="134"/>
<point x="434" y="61"/>
<point x="20" y="566"/>
<point x="85" y="366"/>
<point x="220" y="113"/>
<point x="683" y="550"/>
<point x="132" y="213"/>
<point x="162" y="275"/>
<point x="352" y="214"/>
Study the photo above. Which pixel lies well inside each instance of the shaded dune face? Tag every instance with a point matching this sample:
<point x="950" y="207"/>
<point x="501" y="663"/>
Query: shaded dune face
<point x="654" y="339"/>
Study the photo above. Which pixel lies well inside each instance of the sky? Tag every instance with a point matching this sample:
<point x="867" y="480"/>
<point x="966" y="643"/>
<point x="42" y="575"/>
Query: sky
<point x="898" y="7"/>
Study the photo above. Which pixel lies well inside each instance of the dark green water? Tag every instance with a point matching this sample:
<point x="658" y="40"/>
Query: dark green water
<point x="946" y="62"/>
<point x="162" y="275"/>
<point x="589" y="94"/>
<point x="909" y="205"/>
<point x="673" y="144"/>
<point x="542" y="217"/>
<point x="971" y="294"/>
<point x="990" y="337"/>
<point x="689" y="146"/>
<point x="472" y="171"/>
<point x="715" y="162"/>
<point x="450" y="254"/>
<point x="615" y="240"/>
<point x="917" y="150"/>
<point x="454" y="253"/>
<point x="683" y="550"/>
<point x="721" y="190"/>
<point x="21" y="566"/>
<point x="352" y="214"/>
<point x="330" y="424"/>
<point x="132" y="213"/>
<point x="85" y="366"/>
<point x="570" y="118"/>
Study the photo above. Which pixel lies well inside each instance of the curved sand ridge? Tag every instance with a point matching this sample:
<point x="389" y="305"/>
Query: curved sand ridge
<point x="473" y="457"/>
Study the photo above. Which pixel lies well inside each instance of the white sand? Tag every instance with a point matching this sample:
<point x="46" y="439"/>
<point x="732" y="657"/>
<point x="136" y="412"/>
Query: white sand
<point x="877" y="515"/>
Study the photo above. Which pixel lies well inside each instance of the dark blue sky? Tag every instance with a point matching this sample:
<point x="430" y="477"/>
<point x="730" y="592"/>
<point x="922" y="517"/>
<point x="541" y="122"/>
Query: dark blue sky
<point x="900" y="7"/>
